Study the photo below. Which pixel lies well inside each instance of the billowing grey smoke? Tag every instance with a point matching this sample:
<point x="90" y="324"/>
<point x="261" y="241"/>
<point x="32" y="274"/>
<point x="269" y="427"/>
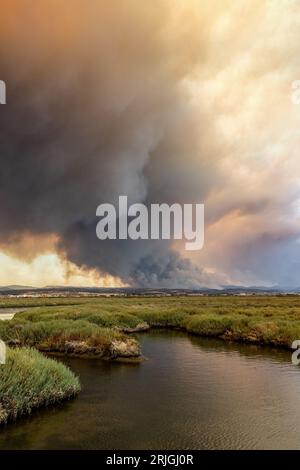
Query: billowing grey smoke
<point x="94" y="113"/>
<point x="169" y="270"/>
<point x="170" y="101"/>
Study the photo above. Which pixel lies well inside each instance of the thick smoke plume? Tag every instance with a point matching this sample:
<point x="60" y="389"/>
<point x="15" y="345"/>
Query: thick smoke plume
<point x="95" y="109"/>
<point x="163" y="101"/>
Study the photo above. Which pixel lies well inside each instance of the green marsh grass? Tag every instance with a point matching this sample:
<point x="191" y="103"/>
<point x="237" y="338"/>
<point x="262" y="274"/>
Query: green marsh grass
<point x="29" y="380"/>
<point x="261" y="319"/>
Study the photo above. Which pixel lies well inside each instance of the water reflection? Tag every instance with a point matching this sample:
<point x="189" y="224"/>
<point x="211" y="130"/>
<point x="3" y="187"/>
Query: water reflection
<point x="191" y="393"/>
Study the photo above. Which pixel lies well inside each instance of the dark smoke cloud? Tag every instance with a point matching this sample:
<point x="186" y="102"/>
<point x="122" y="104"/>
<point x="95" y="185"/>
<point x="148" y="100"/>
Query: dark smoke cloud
<point x="170" y="101"/>
<point x="96" y="108"/>
<point x="170" y="270"/>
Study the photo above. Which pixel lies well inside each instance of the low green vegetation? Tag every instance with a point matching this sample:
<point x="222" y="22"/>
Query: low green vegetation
<point x="74" y="337"/>
<point x="89" y="312"/>
<point x="271" y="320"/>
<point x="29" y="380"/>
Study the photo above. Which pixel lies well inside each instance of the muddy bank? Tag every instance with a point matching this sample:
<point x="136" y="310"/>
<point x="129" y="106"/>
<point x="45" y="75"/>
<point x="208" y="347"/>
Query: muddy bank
<point x="127" y="350"/>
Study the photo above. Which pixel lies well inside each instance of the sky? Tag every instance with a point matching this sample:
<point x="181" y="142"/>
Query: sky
<point x="163" y="101"/>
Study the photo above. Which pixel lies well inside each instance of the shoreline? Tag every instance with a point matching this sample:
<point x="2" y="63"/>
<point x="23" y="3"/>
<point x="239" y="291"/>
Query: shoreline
<point x="227" y="338"/>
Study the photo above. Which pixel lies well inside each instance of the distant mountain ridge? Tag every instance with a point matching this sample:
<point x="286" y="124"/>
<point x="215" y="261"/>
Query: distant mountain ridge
<point x="16" y="287"/>
<point x="139" y="291"/>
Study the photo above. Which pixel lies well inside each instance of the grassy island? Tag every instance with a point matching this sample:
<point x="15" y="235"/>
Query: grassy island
<point x="29" y="380"/>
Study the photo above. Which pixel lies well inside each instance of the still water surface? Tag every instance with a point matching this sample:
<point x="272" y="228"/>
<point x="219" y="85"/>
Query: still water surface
<point x="9" y="313"/>
<point x="191" y="393"/>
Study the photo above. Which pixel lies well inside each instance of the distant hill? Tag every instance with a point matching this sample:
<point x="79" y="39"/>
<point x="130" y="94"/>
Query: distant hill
<point x="131" y="291"/>
<point x="15" y="287"/>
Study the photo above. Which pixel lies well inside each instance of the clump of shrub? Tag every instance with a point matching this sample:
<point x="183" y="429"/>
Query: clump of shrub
<point x="89" y="313"/>
<point x="29" y="380"/>
<point x="56" y="335"/>
<point x="163" y="319"/>
<point x="244" y="328"/>
<point x="208" y="325"/>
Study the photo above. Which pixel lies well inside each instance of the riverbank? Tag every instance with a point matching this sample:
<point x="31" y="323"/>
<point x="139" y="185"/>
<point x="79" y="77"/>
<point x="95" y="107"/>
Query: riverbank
<point x="29" y="381"/>
<point x="79" y="338"/>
